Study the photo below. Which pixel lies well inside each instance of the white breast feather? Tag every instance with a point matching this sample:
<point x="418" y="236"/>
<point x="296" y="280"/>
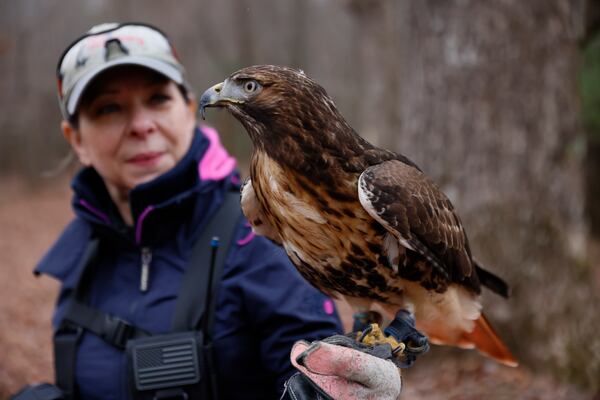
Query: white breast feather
<point x="253" y="212"/>
<point x="391" y="250"/>
<point x="304" y="209"/>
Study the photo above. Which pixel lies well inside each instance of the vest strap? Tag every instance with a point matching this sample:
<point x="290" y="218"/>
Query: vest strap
<point x="199" y="288"/>
<point x="110" y="328"/>
<point x="65" y="353"/>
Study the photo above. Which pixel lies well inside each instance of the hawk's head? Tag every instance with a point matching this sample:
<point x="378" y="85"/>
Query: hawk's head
<point x="275" y="100"/>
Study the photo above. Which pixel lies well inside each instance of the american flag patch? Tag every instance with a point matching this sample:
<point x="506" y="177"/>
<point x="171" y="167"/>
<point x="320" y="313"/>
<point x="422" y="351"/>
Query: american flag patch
<point x="159" y="364"/>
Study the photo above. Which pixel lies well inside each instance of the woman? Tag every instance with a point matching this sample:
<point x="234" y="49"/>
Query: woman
<point x="150" y="182"/>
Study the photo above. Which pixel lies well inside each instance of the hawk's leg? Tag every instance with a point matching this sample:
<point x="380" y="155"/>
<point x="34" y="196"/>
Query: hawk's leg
<point x="362" y="320"/>
<point x="403" y="329"/>
<point x="406" y="341"/>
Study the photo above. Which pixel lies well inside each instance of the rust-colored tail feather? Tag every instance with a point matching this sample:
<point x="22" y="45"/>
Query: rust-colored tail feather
<point x="487" y="341"/>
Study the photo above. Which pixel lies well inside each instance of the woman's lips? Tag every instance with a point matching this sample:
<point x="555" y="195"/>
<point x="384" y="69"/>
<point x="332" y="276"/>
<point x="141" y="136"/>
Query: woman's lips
<point x="145" y="158"/>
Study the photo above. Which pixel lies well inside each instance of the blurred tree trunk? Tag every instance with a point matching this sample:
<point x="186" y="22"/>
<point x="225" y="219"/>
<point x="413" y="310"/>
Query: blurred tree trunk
<point x="298" y="45"/>
<point x="591" y="114"/>
<point x="245" y="39"/>
<point x="593" y="185"/>
<point x="486" y="102"/>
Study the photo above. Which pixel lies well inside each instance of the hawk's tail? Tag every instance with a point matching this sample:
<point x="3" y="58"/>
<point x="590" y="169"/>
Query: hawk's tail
<point x="487" y="341"/>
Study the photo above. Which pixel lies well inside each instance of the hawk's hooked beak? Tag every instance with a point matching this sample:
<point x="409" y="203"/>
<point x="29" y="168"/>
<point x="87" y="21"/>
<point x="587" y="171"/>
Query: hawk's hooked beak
<point x="210" y="98"/>
<point x="220" y="95"/>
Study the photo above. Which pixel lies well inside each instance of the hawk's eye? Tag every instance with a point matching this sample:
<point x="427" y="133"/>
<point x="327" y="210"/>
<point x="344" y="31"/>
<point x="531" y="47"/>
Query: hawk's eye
<point x="250" y="86"/>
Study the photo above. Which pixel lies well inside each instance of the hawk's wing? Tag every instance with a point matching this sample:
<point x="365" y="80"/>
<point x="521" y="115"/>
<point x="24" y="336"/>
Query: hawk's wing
<point x="418" y="214"/>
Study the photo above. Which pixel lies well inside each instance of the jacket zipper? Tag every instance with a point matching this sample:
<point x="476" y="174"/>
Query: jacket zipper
<point x="145" y="272"/>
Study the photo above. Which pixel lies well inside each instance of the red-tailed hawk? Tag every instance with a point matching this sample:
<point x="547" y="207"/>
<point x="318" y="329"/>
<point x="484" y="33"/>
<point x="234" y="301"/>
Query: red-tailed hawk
<point x="356" y="220"/>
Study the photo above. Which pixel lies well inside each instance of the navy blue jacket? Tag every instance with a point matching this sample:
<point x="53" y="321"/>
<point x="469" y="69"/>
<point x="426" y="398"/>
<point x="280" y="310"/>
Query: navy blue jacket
<point x="263" y="305"/>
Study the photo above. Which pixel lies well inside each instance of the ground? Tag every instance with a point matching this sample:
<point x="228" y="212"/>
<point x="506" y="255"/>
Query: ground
<point x="30" y="219"/>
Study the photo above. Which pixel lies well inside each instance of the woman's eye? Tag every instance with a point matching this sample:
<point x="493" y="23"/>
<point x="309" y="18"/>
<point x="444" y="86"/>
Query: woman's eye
<point x="159" y="98"/>
<point x="250" y="86"/>
<point x="107" y="109"/>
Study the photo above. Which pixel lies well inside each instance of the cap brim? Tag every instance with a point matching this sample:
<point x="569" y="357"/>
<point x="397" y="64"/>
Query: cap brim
<point x="159" y="66"/>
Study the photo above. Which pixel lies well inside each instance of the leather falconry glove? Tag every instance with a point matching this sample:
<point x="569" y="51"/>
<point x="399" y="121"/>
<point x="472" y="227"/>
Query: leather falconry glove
<point x="339" y="368"/>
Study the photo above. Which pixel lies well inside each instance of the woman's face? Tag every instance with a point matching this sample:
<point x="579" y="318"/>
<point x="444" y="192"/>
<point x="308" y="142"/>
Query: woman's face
<point x="133" y="125"/>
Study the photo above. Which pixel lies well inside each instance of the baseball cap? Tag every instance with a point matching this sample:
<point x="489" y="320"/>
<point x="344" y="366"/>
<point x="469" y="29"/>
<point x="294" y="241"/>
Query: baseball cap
<point x="108" y="45"/>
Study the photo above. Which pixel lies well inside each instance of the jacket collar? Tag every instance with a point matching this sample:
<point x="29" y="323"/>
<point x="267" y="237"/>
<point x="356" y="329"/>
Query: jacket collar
<point x="205" y="166"/>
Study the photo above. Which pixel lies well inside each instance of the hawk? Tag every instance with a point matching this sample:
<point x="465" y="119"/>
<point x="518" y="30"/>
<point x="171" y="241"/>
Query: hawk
<point x="357" y="221"/>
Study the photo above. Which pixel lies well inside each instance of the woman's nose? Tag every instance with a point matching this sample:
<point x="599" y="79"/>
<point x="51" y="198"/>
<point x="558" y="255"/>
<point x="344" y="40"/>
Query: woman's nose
<point x="142" y="123"/>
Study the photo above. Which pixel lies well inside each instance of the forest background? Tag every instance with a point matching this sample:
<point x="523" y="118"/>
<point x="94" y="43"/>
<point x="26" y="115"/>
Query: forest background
<point x="498" y="101"/>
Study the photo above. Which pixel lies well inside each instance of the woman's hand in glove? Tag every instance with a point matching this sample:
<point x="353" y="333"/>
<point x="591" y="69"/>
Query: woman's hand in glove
<point x="341" y="373"/>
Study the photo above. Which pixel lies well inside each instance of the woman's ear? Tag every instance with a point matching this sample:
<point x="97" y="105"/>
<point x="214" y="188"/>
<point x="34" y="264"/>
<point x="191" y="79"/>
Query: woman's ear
<point x="73" y="136"/>
<point x="193" y="104"/>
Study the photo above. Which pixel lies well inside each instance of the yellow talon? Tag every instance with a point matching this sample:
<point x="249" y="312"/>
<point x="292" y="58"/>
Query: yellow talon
<point x="375" y="336"/>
